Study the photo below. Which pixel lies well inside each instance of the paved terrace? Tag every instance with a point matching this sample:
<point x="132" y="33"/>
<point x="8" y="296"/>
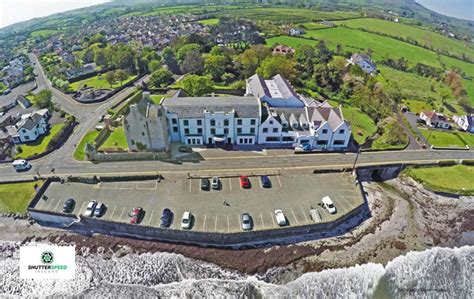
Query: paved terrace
<point x="295" y="194"/>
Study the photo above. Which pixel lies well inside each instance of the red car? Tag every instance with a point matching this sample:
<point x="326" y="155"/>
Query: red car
<point x="136" y="215"/>
<point x="244" y="182"/>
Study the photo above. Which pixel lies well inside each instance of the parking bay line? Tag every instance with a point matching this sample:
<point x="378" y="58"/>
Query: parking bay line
<point x="293" y="212"/>
<point x="304" y="215"/>
<point x="215" y="226"/>
<point x="204" y="223"/>
<point x="151" y="217"/>
<point x="57" y="205"/>
<point x="113" y="212"/>
<point x="273" y="219"/>
<point x="49" y="204"/>
<point x="261" y="217"/>
<point x="228" y="224"/>
<point x="190" y="186"/>
<point x="121" y="214"/>
<point x="82" y="206"/>
<point x="279" y="182"/>
<point x="230" y="184"/>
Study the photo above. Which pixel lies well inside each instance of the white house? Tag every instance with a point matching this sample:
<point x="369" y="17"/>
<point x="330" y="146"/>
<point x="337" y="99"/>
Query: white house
<point x="296" y="31"/>
<point x="435" y="120"/>
<point x="365" y="63"/>
<point x="30" y="127"/>
<point x="282" y="126"/>
<point x="276" y="92"/>
<point x="213" y="120"/>
<point x="465" y="122"/>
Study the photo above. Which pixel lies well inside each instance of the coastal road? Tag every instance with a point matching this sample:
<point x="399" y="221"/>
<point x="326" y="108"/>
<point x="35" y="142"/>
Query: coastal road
<point x="245" y="164"/>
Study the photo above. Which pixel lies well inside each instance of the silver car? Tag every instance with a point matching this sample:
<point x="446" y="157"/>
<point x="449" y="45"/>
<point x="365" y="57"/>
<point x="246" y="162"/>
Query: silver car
<point x="89" y="212"/>
<point x="246" y="221"/>
<point x="215" y="183"/>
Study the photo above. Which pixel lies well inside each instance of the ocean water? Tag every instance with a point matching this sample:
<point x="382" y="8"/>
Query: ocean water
<point x="461" y="9"/>
<point x="435" y="273"/>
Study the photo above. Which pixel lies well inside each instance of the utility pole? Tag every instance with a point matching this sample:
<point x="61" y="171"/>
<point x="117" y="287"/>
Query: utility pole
<point x="355" y="161"/>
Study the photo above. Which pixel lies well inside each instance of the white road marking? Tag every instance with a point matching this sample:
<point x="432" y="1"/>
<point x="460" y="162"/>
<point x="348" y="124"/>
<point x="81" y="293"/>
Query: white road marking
<point x="228" y="224"/>
<point x="57" y="205"/>
<point x="293" y="212"/>
<point x="50" y="202"/>
<point x="215" y="226"/>
<point x="204" y="223"/>
<point x="113" y="212"/>
<point x="116" y="185"/>
<point x="261" y="217"/>
<point x="304" y="214"/>
<point x="136" y="185"/>
<point x="82" y="206"/>
<point x="279" y="182"/>
<point x="190" y="186"/>
<point x="273" y="219"/>
<point x="240" y="221"/>
<point x="151" y="217"/>
<point x="121" y="214"/>
<point x="230" y="184"/>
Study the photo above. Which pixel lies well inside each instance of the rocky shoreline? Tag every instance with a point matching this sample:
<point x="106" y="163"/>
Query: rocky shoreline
<point x="405" y="217"/>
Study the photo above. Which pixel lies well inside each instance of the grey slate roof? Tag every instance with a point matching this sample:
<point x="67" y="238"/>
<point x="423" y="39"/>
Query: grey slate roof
<point x="194" y="107"/>
<point x="29" y="122"/>
<point x="320" y="115"/>
<point x="259" y="87"/>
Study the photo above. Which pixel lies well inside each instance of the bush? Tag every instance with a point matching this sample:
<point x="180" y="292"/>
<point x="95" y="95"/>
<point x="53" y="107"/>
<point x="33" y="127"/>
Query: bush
<point x="447" y="163"/>
<point x="62" y="113"/>
<point x="468" y="162"/>
<point x="18" y="149"/>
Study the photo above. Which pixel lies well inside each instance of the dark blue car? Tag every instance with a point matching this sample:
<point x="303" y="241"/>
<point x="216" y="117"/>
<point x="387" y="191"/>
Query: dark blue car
<point x="266" y="183"/>
<point x="166" y="218"/>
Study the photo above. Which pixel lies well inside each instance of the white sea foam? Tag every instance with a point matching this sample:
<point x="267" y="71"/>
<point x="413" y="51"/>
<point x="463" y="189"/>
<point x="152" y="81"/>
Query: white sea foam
<point x="435" y="273"/>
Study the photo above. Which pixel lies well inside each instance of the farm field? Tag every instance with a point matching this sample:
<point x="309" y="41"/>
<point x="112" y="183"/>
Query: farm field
<point x="362" y="125"/>
<point x="98" y="82"/>
<point x="424" y="37"/>
<point x="209" y="21"/>
<point x="457" y="178"/>
<point x="289" y="41"/>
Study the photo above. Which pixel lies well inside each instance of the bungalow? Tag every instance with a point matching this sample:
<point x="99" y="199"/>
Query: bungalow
<point x="365" y="63"/>
<point x="435" y="120"/>
<point x="30" y="127"/>
<point x="465" y="122"/>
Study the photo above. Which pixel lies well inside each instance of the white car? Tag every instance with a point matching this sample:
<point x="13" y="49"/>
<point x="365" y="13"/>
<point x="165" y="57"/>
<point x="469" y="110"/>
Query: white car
<point x="89" y="212"/>
<point x="280" y="217"/>
<point x="186" y="220"/>
<point x="21" y="164"/>
<point x="328" y="204"/>
<point x="215" y="183"/>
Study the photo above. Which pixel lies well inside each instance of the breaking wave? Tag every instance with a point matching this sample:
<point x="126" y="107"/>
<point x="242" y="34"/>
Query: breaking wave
<point x="434" y="273"/>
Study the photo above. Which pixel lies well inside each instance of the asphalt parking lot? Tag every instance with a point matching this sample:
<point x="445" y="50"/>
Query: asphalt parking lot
<point x="214" y="210"/>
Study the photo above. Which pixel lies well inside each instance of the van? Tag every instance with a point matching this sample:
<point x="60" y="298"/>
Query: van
<point x="20" y="165"/>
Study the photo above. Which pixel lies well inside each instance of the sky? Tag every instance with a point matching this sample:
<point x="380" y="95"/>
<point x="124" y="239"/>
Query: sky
<point x="14" y="11"/>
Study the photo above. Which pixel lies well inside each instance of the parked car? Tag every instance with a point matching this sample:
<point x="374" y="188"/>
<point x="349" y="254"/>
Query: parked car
<point x="166" y="218"/>
<point x="280" y="217"/>
<point x="69" y="205"/>
<point x="266" y="183"/>
<point x="244" y="182"/>
<point x="186" y="221"/>
<point x="136" y="215"/>
<point x="7" y="91"/>
<point x="89" y="212"/>
<point x="306" y="147"/>
<point x="21" y="165"/>
<point x="205" y="184"/>
<point x="328" y="204"/>
<point x="215" y="182"/>
<point x="99" y="210"/>
<point x="246" y="221"/>
<point x="185" y="149"/>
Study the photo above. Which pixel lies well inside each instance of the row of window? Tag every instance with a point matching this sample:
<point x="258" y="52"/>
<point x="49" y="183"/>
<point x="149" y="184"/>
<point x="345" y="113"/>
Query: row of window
<point x="213" y="130"/>
<point x="174" y="121"/>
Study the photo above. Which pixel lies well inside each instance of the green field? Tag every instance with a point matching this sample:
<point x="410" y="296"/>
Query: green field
<point x="89" y="137"/>
<point x="313" y="25"/>
<point x="15" y="198"/>
<point x="442" y="138"/>
<point x="289" y="41"/>
<point x="43" y="33"/>
<point x="362" y="125"/>
<point x="417" y="106"/>
<point x="209" y="21"/>
<point x="468" y="138"/>
<point x="381" y="144"/>
<point x="286" y="14"/>
<point x="39" y="146"/>
<point x="455" y="179"/>
<point x="423" y="37"/>
<point x="115" y="141"/>
<point x="99" y="82"/>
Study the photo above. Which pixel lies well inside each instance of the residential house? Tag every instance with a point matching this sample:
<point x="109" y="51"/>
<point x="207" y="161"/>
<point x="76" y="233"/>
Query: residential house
<point x="365" y="63"/>
<point x="295" y="31"/>
<point x="435" y="120"/>
<point x="465" y="122"/>
<point x="276" y="92"/>
<point x="81" y="71"/>
<point x="284" y="50"/>
<point x="327" y="23"/>
<point x="145" y="126"/>
<point x="30" y="127"/>
<point x="213" y="120"/>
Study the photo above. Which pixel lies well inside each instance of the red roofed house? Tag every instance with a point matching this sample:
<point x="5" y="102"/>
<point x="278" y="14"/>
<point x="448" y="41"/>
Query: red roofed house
<point x="435" y="119"/>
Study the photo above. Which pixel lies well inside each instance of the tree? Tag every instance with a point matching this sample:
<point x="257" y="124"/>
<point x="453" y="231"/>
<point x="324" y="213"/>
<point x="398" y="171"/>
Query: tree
<point x="323" y="54"/>
<point x="121" y="76"/>
<point x="192" y="63"/>
<point x="214" y="66"/>
<point x="196" y="86"/>
<point x="161" y="77"/>
<point x="99" y="57"/>
<point x="181" y="53"/>
<point x="153" y="66"/>
<point x="110" y="77"/>
<point x="43" y="99"/>
<point x="278" y="64"/>
<point x="170" y="60"/>
<point x="251" y="59"/>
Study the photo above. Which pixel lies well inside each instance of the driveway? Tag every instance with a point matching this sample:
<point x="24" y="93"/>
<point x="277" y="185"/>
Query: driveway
<point x="412" y="117"/>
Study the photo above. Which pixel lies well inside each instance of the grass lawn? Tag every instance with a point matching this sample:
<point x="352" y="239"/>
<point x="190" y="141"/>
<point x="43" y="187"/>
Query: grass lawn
<point x="79" y="153"/>
<point x="380" y="143"/>
<point x="39" y="146"/>
<point x="362" y="125"/>
<point x="98" y="82"/>
<point x="116" y="140"/>
<point x="442" y="139"/>
<point x="156" y="98"/>
<point x="312" y="25"/>
<point x="289" y="41"/>
<point x="417" y="106"/>
<point x="209" y="22"/>
<point x="457" y="179"/>
<point x="15" y="198"/>
<point x="424" y="37"/>
<point x="468" y="138"/>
